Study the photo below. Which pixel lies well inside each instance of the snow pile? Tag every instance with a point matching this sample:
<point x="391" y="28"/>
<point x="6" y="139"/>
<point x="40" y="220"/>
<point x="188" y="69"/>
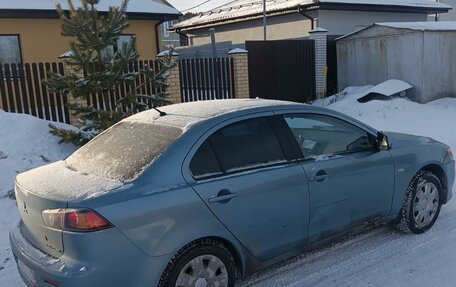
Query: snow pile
<point x="436" y="119"/>
<point x="25" y="143"/>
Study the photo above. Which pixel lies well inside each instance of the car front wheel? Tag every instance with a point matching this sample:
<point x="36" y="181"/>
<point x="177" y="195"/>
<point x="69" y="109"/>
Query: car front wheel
<point x="202" y="263"/>
<point x="422" y="203"/>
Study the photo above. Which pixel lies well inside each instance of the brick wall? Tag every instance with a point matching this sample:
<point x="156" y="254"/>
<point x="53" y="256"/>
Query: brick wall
<point x="241" y="73"/>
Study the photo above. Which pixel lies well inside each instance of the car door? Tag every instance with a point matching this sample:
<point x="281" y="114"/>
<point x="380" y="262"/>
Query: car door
<point x="245" y="175"/>
<point x="350" y="179"/>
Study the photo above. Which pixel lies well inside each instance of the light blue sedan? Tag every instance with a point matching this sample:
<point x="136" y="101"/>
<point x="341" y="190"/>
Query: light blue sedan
<point x="199" y="194"/>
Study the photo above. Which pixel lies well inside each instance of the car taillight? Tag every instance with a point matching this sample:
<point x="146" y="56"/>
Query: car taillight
<point x="73" y="219"/>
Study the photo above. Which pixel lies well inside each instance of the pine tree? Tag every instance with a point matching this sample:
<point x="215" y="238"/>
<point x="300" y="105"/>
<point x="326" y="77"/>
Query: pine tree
<point x="99" y="66"/>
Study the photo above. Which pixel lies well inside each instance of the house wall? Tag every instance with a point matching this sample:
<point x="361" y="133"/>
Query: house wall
<point x="41" y="41"/>
<point x="339" y="22"/>
<point x="278" y="27"/>
<point x="423" y="59"/>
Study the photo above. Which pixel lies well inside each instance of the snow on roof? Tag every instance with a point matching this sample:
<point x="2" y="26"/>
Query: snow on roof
<point x="419" y="26"/>
<point x="135" y="6"/>
<point x="248" y="8"/>
<point x="423" y="26"/>
<point x="187" y="114"/>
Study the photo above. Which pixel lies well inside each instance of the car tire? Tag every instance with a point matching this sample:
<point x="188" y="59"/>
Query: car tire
<point x="422" y="203"/>
<point x="209" y="258"/>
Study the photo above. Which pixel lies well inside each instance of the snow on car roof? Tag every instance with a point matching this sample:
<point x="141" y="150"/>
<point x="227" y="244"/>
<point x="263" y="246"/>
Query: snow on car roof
<point x="186" y="114"/>
<point x="136" y="6"/>
<point x="249" y="8"/>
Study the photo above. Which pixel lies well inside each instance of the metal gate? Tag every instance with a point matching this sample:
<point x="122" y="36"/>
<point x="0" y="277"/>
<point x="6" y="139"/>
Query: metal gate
<point x="282" y="70"/>
<point x="206" y="79"/>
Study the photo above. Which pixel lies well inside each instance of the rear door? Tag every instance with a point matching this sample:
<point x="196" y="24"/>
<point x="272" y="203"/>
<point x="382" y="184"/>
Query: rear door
<point x="350" y="179"/>
<point x="243" y="172"/>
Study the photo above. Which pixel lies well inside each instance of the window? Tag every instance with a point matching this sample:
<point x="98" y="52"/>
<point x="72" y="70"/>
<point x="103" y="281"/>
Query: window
<point x="324" y="135"/>
<point x="10" y="49"/>
<point x="165" y="29"/>
<point x="121" y="45"/>
<point x="124" y="151"/>
<point x="246" y="144"/>
<point x="204" y="163"/>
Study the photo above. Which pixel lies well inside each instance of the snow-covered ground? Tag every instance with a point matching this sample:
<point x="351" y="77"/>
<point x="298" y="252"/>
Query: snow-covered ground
<point x="25" y="143"/>
<point x="381" y="257"/>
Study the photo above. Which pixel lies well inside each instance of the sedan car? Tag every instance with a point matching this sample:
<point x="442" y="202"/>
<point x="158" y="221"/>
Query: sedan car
<point x="199" y="194"/>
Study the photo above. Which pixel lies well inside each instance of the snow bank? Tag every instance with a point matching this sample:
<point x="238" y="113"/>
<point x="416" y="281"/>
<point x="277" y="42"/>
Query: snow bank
<point x="25" y="143"/>
<point x="435" y="119"/>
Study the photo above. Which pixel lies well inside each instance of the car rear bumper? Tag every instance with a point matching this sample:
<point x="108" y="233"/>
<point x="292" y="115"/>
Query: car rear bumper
<point x="450" y="172"/>
<point x="120" y="267"/>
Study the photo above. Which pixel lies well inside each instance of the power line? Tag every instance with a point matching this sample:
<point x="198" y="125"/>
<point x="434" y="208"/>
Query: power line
<point x="201" y="4"/>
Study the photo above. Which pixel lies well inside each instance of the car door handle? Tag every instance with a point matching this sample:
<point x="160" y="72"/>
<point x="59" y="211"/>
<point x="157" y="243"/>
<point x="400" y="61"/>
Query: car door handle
<point x="320" y="176"/>
<point x="224" y="196"/>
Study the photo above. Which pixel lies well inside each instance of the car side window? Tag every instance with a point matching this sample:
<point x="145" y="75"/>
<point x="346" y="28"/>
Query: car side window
<point x="204" y="163"/>
<point x="243" y="145"/>
<point x="324" y="135"/>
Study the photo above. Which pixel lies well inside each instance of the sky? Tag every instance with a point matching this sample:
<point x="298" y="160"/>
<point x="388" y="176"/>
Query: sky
<point x="185" y="4"/>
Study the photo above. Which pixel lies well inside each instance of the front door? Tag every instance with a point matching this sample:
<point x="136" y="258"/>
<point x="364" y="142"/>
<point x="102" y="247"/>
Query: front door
<point x="243" y="175"/>
<point x="350" y="179"/>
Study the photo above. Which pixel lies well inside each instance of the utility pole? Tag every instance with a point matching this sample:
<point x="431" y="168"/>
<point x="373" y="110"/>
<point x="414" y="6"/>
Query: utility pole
<point x="264" y="20"/>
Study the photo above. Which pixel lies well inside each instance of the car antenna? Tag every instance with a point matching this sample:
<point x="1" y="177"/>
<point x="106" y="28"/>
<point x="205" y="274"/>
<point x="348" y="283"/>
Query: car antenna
<point x="162" y="113"/>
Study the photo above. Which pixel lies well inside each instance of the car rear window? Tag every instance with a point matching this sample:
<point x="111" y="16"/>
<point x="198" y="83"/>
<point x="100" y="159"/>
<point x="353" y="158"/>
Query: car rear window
<point x="123" y="151"/>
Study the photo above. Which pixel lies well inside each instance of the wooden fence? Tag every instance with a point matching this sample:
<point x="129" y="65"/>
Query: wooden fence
<point x="206" y="79"/>
<point x="22" y="91"/>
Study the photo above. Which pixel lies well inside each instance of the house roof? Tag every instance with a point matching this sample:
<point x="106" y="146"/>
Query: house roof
<point x="247" y="9"/>
<point x="139" y="9"/>
<point x="417" y="26"/>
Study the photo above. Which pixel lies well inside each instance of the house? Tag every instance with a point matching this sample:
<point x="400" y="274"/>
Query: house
<point x="242" y="20"/>
<point x="420" y="53"/>
<point x="30" y="29"/>
<point x="167" y="37"/>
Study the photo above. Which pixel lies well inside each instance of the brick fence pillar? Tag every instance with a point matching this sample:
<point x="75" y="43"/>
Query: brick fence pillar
<point x="319" y="35"/>
<point x="174" y="89"/>
<point x="241" y="72"/>
<point x="70" y="70"/>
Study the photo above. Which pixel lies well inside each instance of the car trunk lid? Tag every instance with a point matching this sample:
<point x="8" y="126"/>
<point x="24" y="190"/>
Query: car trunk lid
<point x="52" y="187"/>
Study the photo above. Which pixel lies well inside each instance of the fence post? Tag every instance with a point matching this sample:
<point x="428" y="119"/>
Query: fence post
<point x="241" y="72"/>
<point x="319" y="35"/>
<point x="70" y="69"/>
<point x="174" y="89"/>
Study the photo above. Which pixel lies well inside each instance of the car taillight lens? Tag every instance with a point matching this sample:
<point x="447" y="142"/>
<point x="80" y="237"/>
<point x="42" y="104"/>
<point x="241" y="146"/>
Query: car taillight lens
<point x="72" y="219"/>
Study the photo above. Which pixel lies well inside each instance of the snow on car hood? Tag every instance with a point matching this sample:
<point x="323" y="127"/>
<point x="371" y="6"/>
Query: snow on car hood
<point x="58" y="181"/>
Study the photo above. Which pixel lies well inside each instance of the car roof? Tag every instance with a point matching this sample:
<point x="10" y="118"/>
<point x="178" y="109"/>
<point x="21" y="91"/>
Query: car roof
<point x="187" y="114"/>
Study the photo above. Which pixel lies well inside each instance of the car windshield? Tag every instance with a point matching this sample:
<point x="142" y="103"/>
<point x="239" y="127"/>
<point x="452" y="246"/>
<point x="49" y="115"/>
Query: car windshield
<point x="123" y="151"/>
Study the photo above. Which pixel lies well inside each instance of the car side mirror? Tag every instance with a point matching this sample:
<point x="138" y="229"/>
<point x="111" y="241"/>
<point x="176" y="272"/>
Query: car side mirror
<point x="383" y="142"/>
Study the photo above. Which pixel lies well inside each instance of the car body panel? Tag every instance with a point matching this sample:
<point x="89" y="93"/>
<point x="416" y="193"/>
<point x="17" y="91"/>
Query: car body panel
<point x="359" y="187"/>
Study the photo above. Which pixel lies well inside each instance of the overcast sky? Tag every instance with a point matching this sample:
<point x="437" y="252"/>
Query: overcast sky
<point x="185" y="4"/>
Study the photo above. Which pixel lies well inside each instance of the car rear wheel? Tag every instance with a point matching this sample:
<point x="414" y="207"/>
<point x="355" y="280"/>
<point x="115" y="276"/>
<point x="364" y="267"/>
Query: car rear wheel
<point x="201" y="263"/>
<point x="422" y="203"/>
